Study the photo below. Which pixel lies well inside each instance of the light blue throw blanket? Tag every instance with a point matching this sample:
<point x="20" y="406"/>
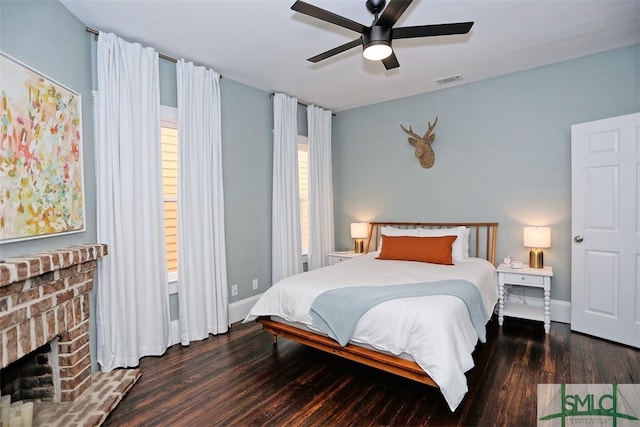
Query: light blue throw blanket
<point x="337" y="312"/>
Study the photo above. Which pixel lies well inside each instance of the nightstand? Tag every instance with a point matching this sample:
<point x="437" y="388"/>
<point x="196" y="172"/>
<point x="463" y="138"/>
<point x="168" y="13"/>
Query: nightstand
<point x="339" y="256"/>
<point x="530" y="277"/>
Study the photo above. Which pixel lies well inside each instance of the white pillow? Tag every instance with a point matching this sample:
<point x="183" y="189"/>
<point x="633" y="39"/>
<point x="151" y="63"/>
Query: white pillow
<point x="467" y="232"/>
<point x="395" y="231"/>
<point x="459" y="250"/>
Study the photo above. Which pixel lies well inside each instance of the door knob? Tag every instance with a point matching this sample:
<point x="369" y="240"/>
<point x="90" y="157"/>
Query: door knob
<point x="578" y="238"/>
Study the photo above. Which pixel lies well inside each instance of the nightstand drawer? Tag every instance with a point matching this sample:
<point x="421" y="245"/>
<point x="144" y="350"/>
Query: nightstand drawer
<point x="525" y="279"/>
<point x="336" y="259"/>
<point x="339" y="256"/>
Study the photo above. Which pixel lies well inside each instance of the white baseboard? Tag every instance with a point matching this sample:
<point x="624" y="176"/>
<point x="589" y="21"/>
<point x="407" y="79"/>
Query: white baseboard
<point x="560" y="310"/>
<point x="175" y="332"/>
<point x="238" y="310"/>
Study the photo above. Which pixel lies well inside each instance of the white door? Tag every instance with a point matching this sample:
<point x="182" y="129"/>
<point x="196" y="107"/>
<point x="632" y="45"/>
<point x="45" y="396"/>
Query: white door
<point x="605" y="255"/>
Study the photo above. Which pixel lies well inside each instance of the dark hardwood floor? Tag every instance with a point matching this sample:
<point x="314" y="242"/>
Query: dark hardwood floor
<point x="241" y="379"/>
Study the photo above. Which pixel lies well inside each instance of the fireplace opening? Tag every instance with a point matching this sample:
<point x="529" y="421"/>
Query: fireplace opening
<point x="32" y="377"/>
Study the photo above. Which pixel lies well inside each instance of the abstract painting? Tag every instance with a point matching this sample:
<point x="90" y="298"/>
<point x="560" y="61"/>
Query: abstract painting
<point x="41" y="175"/>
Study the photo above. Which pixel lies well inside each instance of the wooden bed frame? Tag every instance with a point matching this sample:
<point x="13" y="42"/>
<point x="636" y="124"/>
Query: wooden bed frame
<point x="482" y="244"/>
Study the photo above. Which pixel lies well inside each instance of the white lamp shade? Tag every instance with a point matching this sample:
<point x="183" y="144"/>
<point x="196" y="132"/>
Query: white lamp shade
<point x="537" y="237"/>
<point x="359" y="230"/>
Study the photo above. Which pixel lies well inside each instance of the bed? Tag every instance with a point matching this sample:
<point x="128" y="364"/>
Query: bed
<point x="424" y="337"/>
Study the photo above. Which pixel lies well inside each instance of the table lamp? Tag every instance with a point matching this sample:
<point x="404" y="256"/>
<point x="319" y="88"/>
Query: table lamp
<point x="359" y="231"/>
<point x="536" y="238"/>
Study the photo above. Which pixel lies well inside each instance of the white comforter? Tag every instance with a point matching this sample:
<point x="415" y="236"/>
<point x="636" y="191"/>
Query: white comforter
<point x="436" y="331"/>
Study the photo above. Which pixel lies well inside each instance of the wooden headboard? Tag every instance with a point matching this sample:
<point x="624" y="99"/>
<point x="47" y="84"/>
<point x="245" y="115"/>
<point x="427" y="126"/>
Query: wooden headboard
<point x="482" y="237"/>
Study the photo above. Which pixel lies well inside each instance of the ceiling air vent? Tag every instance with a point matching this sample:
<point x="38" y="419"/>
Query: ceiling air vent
<point x="447" y="80"/>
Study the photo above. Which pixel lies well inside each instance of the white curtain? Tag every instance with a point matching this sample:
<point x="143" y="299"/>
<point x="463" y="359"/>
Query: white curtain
<point x="202" y="264"/>
<point x="132" y="291"/>
<point x="321" y="235"/>
<point x="286" y="250"/>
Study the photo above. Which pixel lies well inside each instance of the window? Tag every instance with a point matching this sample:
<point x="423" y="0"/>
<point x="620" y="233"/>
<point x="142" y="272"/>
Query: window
<point x="303" y="188"/>
<point x="169" y="140"/>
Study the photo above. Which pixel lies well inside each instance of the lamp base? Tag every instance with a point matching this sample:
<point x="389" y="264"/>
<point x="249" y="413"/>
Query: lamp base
<point x="536" y="258"/>
<point x="359" y="246"/>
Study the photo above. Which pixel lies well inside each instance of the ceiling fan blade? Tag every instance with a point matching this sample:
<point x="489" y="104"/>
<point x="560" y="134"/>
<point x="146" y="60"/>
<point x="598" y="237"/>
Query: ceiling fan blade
<point x="391" y="61"/>
<point x="325" y="15"/>
<point x="335" y="51"/>
<point x="431" y="30"/>
<point x="392" y="13"/>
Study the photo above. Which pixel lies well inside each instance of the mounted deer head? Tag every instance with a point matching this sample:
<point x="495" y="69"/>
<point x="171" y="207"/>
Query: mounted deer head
<point x="423" y="144"/>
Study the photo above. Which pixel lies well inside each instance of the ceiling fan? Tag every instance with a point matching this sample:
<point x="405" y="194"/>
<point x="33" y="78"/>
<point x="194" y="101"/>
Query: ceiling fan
<point x="376" y="39"/>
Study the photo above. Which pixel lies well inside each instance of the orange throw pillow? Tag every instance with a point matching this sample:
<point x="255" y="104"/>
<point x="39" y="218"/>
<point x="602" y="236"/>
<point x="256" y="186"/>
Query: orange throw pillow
<point x="436" y="250"/>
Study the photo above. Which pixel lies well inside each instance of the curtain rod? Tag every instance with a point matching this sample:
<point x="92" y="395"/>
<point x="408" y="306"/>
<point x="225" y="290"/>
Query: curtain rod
<point x="302" y="104"/>
<point x="161" y="55"/>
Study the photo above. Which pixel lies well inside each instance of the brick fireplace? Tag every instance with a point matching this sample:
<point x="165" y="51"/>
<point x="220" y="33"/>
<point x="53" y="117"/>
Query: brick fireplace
<point x="45" y="296"/>
<point x="44" y="300"/>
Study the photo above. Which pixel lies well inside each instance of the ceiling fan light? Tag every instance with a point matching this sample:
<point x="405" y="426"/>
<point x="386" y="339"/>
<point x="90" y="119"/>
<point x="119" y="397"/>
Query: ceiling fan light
<point x="377" y="50"/>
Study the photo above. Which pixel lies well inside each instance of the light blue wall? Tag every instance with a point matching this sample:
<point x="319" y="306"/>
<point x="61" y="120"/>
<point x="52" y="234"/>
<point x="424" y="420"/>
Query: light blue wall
<point x="247" y="120"/>
<point x="44" y="36"/>
<point x="168" y="86"/>
<point x="502" y="152"/>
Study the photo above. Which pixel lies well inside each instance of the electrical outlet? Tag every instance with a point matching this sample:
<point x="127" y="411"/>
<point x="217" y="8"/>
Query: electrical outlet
<point x="254" y="282"/>
<point x="234" y="290"/>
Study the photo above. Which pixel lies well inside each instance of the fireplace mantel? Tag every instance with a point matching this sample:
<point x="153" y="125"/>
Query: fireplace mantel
<point x="27" y="266"/>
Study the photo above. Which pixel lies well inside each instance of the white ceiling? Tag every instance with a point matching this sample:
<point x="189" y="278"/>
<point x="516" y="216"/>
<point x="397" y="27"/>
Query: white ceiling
<point x="264" y="44"/>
